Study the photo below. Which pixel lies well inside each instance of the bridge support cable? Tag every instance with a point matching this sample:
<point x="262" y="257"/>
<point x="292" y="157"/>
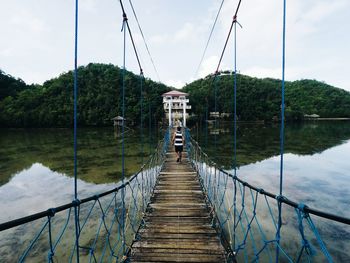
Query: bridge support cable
<point x="126" y="27"/>
<point x="76" y="215"/>
<point x="278" y="235"/>
<point x="234" y="21"/>
<point x="144" y="40"/>
<point x="123" y="127"/>
<point x="235" y="124"/>
<point x="210" y="35"/>
<point x="141" y="134"/>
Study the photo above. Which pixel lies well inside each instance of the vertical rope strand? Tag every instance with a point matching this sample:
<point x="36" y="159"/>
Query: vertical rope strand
<point x="150" y="122"/>
<point x="141" y="135"/>
<point x="281" y="133"/>
<point x="76" y="216"/>
<point x="235" y="104"/>
<point x="215" y="109"/>
<point x="123" y="129"/>
<point x="235" y="133"/>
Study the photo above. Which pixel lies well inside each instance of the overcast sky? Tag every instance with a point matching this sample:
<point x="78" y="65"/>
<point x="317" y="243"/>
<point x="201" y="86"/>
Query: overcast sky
<point x="37" y="38"/>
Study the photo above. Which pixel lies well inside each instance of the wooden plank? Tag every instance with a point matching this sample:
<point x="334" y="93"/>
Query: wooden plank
<point x="175" y="251"/>
<point x="186" y="172"/>
<point x="155" y="257"/>
<point x="194" y="220"/>
<point x="177" y="243"/>
<point x="181" y="237"/>
<point x="177" y="224"/>
<point x="174" y="205"/>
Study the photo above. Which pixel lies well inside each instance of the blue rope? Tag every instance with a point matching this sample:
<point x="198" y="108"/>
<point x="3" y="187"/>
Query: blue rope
<point x="141" y="134"/>
<point x="281" y="131"/>
<point x="235" y="105"/>
<point x="24" y="255"/>
<point x="123" y="128"/>
<point x="76" y="216"/>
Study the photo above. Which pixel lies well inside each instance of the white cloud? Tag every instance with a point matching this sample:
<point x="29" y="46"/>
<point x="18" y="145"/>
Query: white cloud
<point x="175" y="83"/>
<point x="158" y="39"/>
<point x="7" y="52"/>
<point x="89" y="5"/>
<point x="26" y="21"/>
<point x="186" y="32"/>
<point x="42" y="36"/>
<point x="261" y="72"/>
<point x="209" y="66"/>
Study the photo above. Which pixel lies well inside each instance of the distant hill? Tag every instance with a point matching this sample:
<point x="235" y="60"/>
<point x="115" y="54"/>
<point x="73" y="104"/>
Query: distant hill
<point x="99" y="87"/>
<point x="51" y="104"/>
<point x="10" y="86"/>
<point x="260" y="99"/>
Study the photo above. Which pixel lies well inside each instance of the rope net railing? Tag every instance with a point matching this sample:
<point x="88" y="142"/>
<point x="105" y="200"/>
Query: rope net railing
<point x="105" y="232"/>
<point x="247" y="218"/>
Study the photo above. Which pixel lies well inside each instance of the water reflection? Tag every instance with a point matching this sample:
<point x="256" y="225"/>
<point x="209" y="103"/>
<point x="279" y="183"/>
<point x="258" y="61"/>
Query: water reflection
<point x="316" y="166"/>
<point x="39" y="188"/>
<point x="36" y="165"/>
<point x="320" y="180"/>
<point x="99" y="152"/>
<point x="257" y="142"/>
<point x="316" y="172"/>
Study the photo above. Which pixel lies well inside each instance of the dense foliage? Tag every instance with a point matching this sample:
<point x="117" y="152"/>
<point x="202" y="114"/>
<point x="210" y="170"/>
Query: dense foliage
<point x="99" y="99"/>
<point x="260" y="99"/>
<point x="9" y="86"/>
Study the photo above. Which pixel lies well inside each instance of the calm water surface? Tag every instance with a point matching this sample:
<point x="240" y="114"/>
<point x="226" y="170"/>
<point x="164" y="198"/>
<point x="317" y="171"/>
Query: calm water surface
<point x="316" y="170"/>
<point x="36" y="166"/>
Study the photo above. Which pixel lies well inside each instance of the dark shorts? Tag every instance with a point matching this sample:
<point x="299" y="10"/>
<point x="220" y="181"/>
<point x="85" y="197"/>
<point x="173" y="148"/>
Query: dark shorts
<point x="178" y="148"/>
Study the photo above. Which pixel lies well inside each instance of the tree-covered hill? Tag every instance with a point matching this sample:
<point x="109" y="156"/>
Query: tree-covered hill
<point x="99" y="93"/>
<point x="10" y="86"/>
<point x="260" y="99"/>
<point x="99" y="99"/>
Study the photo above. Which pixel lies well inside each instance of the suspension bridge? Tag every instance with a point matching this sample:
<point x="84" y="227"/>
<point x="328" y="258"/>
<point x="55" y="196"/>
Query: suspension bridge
<point x="170" y="212"/>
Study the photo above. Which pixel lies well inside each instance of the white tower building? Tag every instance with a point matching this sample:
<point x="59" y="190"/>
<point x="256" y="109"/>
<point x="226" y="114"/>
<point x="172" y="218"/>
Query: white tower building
<point x="176" y="106"/>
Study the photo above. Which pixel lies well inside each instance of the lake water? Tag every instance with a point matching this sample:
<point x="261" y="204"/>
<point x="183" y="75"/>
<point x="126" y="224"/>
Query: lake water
<point x="36" y="166"/>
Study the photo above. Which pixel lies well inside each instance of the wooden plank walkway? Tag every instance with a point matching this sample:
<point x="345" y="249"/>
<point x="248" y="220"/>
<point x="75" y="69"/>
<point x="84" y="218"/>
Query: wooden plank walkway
<point x="177" y="223"/>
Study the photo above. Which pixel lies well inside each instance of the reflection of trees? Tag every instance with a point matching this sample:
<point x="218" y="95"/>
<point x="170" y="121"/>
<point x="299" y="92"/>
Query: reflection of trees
<point x="257" y="142"/>
<point x="99" y="154"/>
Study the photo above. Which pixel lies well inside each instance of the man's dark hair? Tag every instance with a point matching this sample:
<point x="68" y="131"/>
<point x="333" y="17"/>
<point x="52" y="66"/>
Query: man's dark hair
<point x="178" y="128"/>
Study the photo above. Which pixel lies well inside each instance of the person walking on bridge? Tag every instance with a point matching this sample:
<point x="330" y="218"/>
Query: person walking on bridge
<point x="178" y="141"/>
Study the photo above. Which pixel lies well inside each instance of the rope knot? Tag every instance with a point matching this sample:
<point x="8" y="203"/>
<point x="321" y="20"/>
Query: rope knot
<point x="301" y="208"/>
<point x="76" y="202"/>
<point x="235" y="18"/>
<point x="51" y="212"/>
<point x="280" y="198"/>
<point x="50" y="255"/>
<point x="96" y="197"/>
<point x="125" y="18"/>
<point x="261" y="191"/>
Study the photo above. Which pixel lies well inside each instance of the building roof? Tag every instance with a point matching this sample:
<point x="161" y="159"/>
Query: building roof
<point x="118" y="118"/>
<point x="311" y="116"/>
<point x="174" y="93"/>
